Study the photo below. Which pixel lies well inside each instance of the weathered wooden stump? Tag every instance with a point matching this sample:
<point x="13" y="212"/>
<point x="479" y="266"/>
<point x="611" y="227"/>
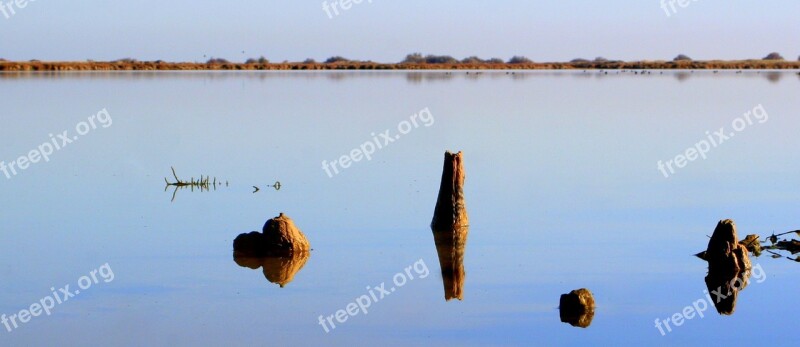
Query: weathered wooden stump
<point x="450" y="226"/>
<point x="451" y="208"/>
<point x="577" y="308"/>
<point x="728" y="267"/>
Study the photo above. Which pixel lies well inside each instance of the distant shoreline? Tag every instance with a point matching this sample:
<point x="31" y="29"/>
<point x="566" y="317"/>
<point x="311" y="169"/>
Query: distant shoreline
<point x="133" y="65"/>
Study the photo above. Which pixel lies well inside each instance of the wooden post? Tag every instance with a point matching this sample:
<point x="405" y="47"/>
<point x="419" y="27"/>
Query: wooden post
<point x="450" y="226"/>
<point x="450" y="208"/>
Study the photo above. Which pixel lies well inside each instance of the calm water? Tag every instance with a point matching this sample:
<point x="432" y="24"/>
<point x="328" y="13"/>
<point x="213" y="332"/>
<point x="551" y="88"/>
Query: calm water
<point x="563" y="191"/>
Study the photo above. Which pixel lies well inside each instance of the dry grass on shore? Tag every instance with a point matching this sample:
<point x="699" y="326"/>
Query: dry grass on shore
<point x="133" y="65"/>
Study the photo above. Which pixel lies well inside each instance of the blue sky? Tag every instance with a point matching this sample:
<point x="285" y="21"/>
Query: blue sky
<point x="387" y="30"/>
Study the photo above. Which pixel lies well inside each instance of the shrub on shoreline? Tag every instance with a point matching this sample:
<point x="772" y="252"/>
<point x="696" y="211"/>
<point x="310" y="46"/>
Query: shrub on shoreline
<point x="336" y="59"/>
<point x="440" y="59"/>
<point x="518" y="59"/>
<point x="413" y="58"/>
<point x="473" y="60"/>
<point x="261" y="60"/>
<point x="418" y="58"/>
<point x="682" y="57"/>
<point x="215" y="61"/>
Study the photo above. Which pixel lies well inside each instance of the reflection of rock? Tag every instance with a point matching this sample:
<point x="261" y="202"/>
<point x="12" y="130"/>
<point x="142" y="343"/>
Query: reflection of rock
<point x="577" y="308"/>
<point x="728" y="267"/>
<point x="724" y="289"/>
<point x="450" y="226"/>
<point x="280" y="270"/>
<point x="280" y="237"/>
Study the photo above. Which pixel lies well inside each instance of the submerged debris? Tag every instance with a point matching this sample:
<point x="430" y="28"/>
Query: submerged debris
<point x="277" y="186"/>
<point x="773" y="244"/>
<point x="202" y="184"/>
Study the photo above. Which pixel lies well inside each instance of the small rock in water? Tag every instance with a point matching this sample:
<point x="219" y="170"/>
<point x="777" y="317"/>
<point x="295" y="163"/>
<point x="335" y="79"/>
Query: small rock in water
<point x="577" y="308"/>
<point x="279" y="237"/>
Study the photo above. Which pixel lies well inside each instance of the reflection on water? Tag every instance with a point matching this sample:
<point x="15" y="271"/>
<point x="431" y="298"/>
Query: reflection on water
<point x="412" y="77"/>
<point x="278" y="270"/>
<point x="202" y="184"/>
<point x="724" y="287"/>
<point x="450" y="245"/>
<point x="567" y="184"/>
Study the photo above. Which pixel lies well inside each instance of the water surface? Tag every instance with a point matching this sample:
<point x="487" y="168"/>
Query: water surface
<point x="563" y="192"/>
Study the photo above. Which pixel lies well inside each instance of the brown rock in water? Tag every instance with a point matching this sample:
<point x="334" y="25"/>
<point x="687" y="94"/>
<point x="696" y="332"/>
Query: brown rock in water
<point x="728" y="267"/>
<point x="450" y="226"/>
<point x="279" y="237"/>
<point x="279" y="270"/>
<point x="724" y="253"/>
<point x="577" y="308"/>
<point x="281" y="232"/>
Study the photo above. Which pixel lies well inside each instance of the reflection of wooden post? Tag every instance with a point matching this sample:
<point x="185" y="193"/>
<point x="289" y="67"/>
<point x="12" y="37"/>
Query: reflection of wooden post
<point x="450" y="246"/>
<point x="450" y="226"/>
